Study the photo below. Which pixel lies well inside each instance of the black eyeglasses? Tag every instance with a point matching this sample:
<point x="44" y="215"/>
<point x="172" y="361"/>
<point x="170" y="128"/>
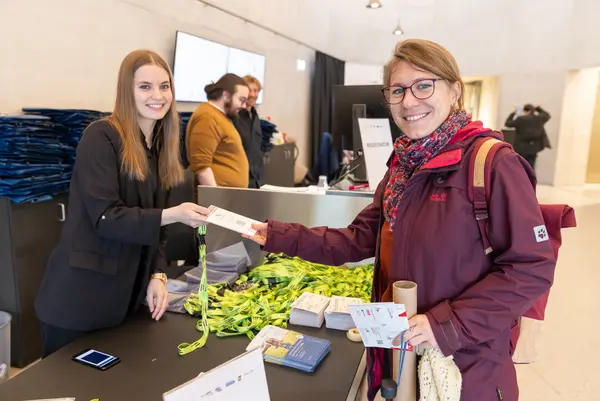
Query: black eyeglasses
<point x="421" y="89"/>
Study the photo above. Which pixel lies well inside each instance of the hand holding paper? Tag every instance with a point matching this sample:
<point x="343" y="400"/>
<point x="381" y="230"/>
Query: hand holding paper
<point x="420" y="333"/>
<point x="261" y="233"/>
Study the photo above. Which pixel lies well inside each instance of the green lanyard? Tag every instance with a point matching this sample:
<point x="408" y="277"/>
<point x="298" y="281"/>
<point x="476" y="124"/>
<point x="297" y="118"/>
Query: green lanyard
<point x="264" y="296"/>
<point x="202" y="324"/>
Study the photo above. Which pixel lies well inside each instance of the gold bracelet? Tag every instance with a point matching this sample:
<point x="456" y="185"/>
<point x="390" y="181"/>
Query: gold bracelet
<point x="159" y="276"/>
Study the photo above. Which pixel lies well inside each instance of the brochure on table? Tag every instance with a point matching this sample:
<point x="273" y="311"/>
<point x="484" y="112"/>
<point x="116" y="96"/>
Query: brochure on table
<point x="291" y="348"/>
<point x="242" y="378"/>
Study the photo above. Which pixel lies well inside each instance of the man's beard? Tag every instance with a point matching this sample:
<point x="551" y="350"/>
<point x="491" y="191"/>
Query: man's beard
<point x="229" y="111"/>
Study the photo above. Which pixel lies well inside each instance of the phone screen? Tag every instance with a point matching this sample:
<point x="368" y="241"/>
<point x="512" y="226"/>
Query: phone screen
<point x="95" y="358"/>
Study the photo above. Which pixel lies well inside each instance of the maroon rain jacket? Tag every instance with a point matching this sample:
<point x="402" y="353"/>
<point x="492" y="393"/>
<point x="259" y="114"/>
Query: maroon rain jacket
<point x="471" y="299"/>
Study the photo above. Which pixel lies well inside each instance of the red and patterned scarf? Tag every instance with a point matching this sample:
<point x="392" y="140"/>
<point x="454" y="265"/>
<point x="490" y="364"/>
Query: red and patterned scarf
<point x="411" y="155"/>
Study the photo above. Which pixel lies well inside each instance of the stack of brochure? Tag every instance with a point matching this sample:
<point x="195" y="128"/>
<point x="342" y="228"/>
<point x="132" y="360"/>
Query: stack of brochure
<point x="309" y="310"/>
<point x="290" y="348"/>
<point x="337" y="315"/>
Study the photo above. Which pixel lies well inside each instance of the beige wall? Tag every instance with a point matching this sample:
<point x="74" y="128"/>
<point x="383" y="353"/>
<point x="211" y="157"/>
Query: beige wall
<point x="546" y="89"/>
<point x="488" y="105"/>
<point x="576" y="127"/>
<point x="593" y="168"/>
<point x="488" y="101"/>
<point x="66" y="53"/>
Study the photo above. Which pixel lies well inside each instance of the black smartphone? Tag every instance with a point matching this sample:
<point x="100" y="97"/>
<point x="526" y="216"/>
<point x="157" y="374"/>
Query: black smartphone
<point x="96" y="359"/>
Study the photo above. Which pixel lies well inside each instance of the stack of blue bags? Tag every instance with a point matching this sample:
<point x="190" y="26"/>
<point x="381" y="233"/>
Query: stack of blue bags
<point x="268" y="129"/>
<point x="37" y="152"/>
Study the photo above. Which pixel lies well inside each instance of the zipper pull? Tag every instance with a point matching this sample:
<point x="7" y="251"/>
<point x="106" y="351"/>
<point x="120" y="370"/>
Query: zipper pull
<point x="500" y="398"/>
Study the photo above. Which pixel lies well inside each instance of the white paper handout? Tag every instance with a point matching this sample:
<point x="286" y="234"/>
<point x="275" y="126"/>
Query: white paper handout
<point x="242" y="378"/>
<point x="309" y="310"/>
<point x="231" y="221"/>
<point x="337" y="315"/>
<point x="376" y="138"/>
<point x="340" y="304"/>
<point x="379" y="323"/>
<point x="310" y="302"/>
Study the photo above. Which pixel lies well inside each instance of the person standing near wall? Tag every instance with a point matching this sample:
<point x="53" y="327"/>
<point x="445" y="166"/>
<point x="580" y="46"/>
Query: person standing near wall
<point x="530" y="135"/>
<point x="214" y="147"/>
<point x="111" y="253"/>
<point x="248" y="126"/>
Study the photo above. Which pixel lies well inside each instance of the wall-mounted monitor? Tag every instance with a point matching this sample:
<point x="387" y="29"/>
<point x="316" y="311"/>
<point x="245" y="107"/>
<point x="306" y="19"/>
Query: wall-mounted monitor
<point x="199" y="62"/>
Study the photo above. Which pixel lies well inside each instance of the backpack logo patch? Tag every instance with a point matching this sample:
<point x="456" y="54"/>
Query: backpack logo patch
<point x="541" y="233"/>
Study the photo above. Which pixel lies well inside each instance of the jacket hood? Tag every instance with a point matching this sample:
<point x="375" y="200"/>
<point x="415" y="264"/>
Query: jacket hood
<point x="473" y="129"/>
<point x="460" y="142"/>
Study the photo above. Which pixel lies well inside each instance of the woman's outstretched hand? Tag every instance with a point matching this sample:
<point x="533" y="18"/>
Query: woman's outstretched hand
<point x="261" y="233"/>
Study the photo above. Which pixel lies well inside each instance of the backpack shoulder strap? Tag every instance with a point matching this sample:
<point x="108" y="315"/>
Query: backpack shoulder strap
<point x="479" y="177"/>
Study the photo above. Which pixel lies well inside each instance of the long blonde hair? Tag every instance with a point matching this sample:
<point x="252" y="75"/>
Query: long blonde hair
<point x="427" y="56"/>
<point x="134" y="159"/>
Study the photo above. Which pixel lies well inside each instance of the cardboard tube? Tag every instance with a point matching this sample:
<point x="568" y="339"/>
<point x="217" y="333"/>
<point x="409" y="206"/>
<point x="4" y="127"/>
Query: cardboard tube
<point x="405" y="292"/>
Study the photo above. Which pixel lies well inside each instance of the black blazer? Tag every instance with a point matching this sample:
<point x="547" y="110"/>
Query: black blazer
<point x="530" y="135"/>
<point x="247" y="123"/>
<point x="111" y="242"/>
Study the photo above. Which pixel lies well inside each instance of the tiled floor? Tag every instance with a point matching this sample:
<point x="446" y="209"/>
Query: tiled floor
<point x="569" y="368"/>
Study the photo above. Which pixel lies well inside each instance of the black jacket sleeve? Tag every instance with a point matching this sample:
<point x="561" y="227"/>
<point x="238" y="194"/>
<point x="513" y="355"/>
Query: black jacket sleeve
<point x="543" y="115"/>
<point x="97" y="169"/>
<point x="511" y="121"/>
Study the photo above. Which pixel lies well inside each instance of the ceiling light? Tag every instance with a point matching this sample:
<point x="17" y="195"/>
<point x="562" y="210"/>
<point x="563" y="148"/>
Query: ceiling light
<point x="374" y="4"/>
<point x="398" y="30"/>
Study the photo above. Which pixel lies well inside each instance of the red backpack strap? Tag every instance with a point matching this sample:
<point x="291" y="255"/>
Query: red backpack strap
<point x="479" y="178"/>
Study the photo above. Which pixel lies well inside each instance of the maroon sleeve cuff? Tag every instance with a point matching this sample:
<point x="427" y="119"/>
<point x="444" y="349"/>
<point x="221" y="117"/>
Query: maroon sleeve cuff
<point x="444" y="328"/>
<point x="278" y="237"/>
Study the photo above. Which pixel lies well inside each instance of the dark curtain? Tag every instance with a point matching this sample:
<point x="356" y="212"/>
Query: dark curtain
<point x="328" y="71"/>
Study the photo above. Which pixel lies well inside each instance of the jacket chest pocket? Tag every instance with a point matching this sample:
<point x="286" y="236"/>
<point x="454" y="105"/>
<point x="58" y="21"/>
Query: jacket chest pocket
<point x="104" y="264"/>
<point x="91" y="252"/>
<point x="444" y="211"/>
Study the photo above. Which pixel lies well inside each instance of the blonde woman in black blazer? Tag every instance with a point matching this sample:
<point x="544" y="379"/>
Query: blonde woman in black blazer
<point x="111" y="250"/>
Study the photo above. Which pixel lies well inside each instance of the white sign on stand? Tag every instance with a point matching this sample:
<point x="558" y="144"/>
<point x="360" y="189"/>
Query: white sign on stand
<point x="242" y="378"/>
<point x="377" y="144"/>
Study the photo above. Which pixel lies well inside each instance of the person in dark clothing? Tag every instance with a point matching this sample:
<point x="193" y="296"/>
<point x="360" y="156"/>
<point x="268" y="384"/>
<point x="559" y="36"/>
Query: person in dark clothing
<point x="111" y="251"/>
<point x="247" y="124"/>
<point x="531" y="137"/>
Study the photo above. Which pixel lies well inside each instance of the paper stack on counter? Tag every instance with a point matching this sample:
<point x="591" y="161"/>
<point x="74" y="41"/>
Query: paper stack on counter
<point x="337" y="315"/>
<point x="309" y="310"/>
<point x="379" y="323"/>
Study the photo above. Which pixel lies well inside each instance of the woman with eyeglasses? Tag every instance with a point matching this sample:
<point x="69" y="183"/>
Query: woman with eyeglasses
<point x="421" y="227"/>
